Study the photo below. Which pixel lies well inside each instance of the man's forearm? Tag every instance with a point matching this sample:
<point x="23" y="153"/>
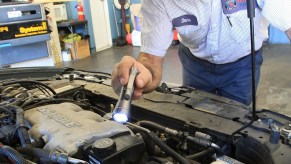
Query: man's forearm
<point x="154" y="65"/>
<point x="288" y="33"/>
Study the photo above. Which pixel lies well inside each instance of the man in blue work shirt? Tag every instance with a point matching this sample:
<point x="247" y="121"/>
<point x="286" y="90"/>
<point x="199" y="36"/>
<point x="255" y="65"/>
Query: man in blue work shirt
<point x="215" y="49"/>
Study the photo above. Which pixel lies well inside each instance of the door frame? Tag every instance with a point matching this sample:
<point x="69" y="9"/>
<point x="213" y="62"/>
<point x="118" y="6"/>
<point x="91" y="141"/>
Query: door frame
<point x="107" y="24"/>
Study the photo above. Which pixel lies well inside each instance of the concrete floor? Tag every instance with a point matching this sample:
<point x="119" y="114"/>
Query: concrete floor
<point x="274" y="90"/>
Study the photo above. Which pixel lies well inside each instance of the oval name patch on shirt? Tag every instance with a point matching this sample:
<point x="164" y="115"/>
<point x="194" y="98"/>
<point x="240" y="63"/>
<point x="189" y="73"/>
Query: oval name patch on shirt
<point x="233" y="6"/>
<point x="185" y="20"/>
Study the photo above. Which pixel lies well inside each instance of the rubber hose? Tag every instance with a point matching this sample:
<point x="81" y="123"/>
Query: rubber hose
<point x="150" y="145"/>
<point x="17" y="101"/>
<point x="24" y="137"/>
<point x="26" y="103"/>
<point x="200" y="154"/>
<point x="3" y="109"/>
<point x="152" y="124"/>
<point x="36" y="152"/>
<point x="21" y="130"/>
<point x="168" y="150"/>
<point x="39" y="143"/>
<point x="12" y="154"/>
<point x="52" y="156"/>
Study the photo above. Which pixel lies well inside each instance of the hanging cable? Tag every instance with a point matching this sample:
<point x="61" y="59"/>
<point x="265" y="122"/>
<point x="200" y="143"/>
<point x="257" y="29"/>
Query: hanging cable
<point x="251" y="15"/>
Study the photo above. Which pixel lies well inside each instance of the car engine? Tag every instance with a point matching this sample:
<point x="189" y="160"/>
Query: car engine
<point x="62" y="115"/>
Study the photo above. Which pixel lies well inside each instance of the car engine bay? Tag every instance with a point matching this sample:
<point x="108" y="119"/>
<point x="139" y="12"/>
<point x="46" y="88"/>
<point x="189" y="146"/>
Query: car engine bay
<point x="62" y="115"/>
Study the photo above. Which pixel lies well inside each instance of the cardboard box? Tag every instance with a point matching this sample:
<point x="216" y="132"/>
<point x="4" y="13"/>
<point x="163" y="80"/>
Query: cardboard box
<point x="82" y="49"/>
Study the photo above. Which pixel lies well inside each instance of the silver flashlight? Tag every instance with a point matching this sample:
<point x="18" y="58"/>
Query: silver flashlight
<point x="121" y="111"/>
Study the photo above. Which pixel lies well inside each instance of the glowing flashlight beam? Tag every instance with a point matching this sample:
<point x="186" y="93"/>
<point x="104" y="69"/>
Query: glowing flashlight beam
<point x="122" y="109"/>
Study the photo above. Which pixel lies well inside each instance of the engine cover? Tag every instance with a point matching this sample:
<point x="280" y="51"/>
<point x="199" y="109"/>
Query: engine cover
<point x="65" y="127"/>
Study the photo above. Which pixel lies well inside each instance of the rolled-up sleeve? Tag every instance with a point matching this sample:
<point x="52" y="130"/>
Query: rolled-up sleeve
<point x="278" y="12"/>
<point x="157" y="28"/>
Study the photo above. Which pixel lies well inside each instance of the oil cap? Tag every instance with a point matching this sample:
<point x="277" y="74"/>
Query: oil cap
<point x="104" y="147"/>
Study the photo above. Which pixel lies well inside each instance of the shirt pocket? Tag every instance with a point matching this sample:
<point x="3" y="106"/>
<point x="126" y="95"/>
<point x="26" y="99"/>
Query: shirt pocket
<point x="192" y="36"/>
<point x="237" y="26"/>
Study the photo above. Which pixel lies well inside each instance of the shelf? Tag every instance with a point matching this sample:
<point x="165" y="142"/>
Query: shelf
<point x="71" y="23"/>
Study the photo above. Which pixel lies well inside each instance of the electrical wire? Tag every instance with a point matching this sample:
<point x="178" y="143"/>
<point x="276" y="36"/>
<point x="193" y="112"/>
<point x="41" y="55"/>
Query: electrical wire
<point x="31" y="100"/>
<point x="43" y="90"/>
<point x="47" y="101"/>
<point x="31" y="82"/>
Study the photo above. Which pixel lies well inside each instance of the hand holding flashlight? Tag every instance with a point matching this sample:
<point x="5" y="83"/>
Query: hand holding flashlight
<point x="122" y="109"/>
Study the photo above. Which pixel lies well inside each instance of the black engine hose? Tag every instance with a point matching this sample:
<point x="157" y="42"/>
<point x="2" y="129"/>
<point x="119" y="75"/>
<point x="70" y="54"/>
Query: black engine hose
<point x="21" y="129"/>
<point x="39" y="143"/>
<point x="12" y="154"/>
<point x="168" y="150"/>
<point x="161" y="144"/>
<point x="149" y="144"/>
<point x="16" y="101"/>
<point x="51" y="156"/>
<point x="31" y="82"/>
<point x="36" y="152"/>
<point x="200" y="154"/>
<point x="152" y="125"/>
<point x="3" y="109"/>
<point x="168" y="130"/>
<point x="32" y="100"/>
<point x="23" y="136"/>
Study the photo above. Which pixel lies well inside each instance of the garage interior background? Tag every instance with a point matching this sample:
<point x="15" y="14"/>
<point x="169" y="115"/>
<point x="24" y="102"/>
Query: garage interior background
<point x="273" y="93"/>
<point x="72" y="14"/>
<point x="275" y="36"/>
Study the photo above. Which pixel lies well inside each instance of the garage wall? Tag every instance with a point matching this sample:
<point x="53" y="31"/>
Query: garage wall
<point x="72" y="14"/>
<point x="112" y="22"/>
<point x="277" y="37"/>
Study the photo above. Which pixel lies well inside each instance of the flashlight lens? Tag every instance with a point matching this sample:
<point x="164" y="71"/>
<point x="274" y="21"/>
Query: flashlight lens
<point x="120" y="117"/>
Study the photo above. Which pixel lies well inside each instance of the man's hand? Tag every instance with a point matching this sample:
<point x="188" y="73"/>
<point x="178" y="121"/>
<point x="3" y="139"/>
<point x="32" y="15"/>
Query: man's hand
<point x="288" y="33"/>
<point x="148" y="78"/>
